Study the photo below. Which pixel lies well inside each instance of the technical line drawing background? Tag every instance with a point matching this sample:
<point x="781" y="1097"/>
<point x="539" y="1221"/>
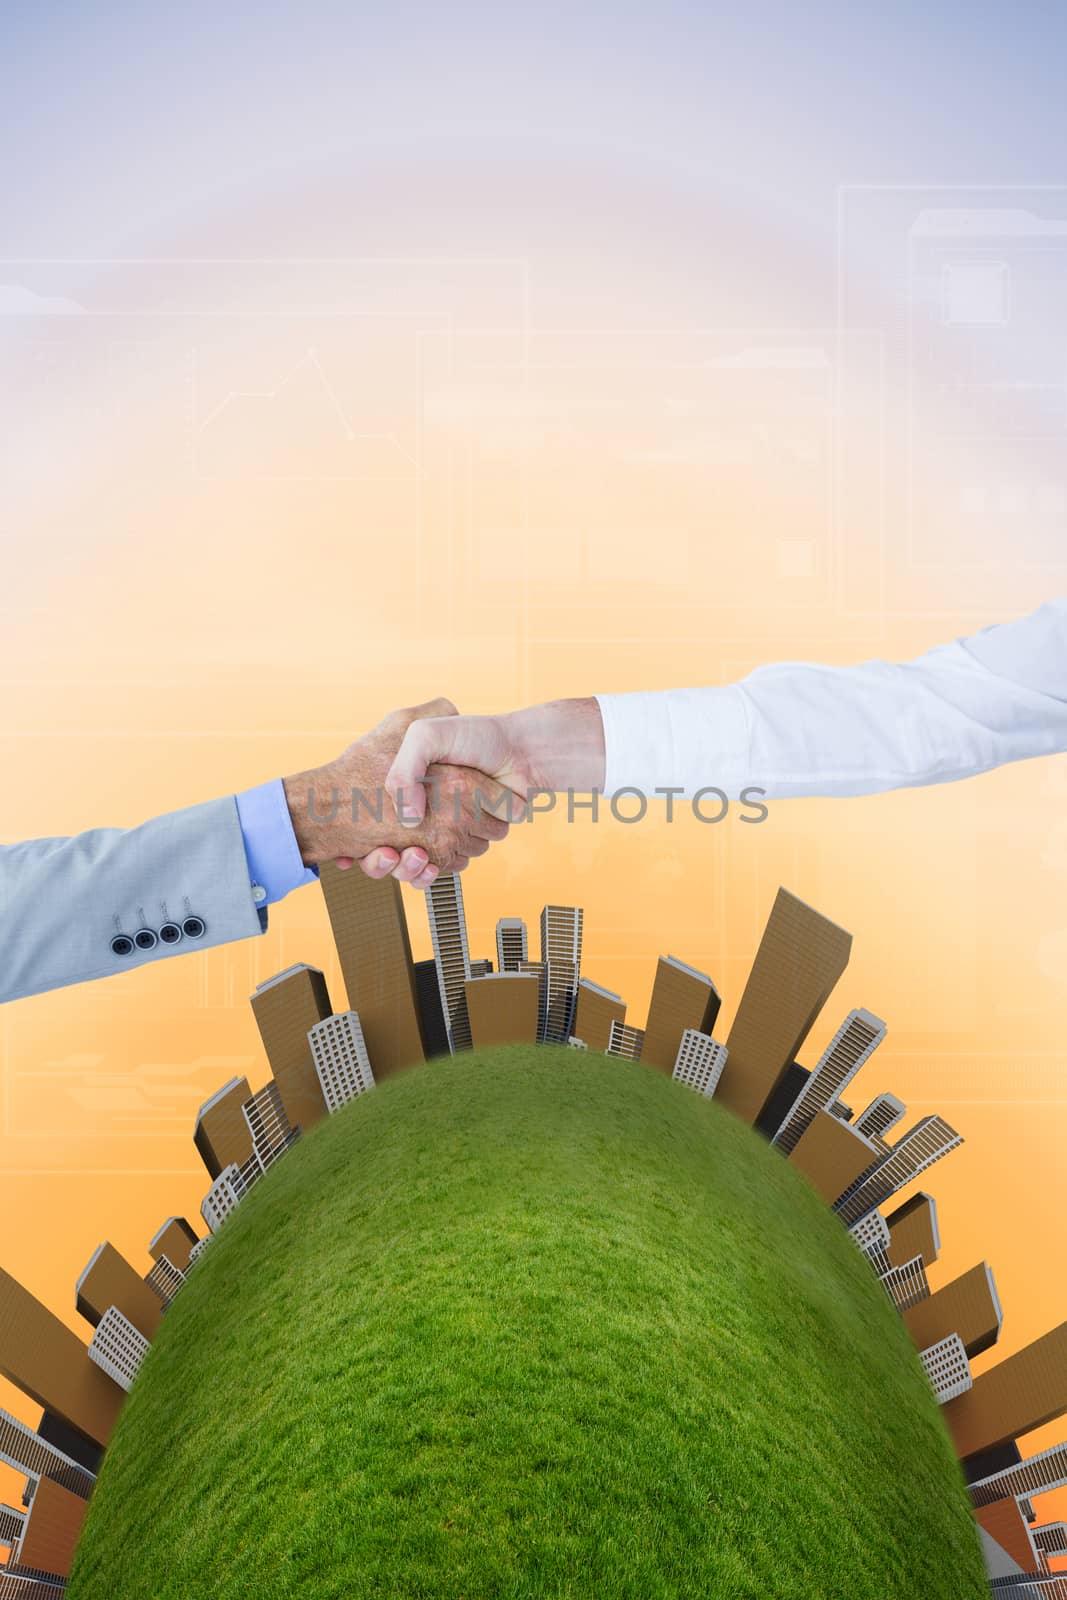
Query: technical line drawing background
<point x="506" y="357"/>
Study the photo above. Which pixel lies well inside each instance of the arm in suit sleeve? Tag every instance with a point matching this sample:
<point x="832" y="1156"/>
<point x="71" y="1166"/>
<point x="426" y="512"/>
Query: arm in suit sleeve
<point x="797" y="728"/>
<point x="70" y="907"/>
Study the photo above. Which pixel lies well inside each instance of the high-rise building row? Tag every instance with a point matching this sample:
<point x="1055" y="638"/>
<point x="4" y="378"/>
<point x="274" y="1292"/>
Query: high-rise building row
<point x="800" y="958"/>
<point x="699" y="1062"/>
<point x="682" y="998"/>
<point x="286" y="1007"/>
<point x="850" y="1048"/>
<point x="511" y="944"/>
<point x="448" y="933"/>
<point x="371" y="935"/>
<point x="339" y="1054"/>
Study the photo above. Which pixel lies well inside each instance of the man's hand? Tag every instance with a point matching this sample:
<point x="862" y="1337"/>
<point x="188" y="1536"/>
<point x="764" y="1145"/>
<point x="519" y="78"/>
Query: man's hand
<point x="555" y="746"/>
<point x="342" y="811"/>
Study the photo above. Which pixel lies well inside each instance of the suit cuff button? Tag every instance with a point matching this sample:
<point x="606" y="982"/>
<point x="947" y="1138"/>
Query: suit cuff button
<point x="122" y="945"/>
<point x="194" y="927"/>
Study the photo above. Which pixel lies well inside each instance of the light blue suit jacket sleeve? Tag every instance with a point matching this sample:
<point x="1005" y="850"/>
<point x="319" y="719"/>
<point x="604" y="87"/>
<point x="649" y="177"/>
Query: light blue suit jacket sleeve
<point x="64" y="903"/>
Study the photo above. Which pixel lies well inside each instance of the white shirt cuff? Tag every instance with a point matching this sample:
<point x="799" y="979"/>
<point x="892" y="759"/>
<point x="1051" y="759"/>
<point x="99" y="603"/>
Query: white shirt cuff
<point x="689" y="739"/>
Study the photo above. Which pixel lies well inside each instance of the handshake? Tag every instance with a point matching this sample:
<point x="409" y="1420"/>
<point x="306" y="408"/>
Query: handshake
<point x="427" y="790"/>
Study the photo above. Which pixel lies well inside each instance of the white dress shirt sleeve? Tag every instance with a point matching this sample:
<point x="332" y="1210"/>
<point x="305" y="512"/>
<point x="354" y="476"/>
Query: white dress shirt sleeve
<point x="795" y="728"/>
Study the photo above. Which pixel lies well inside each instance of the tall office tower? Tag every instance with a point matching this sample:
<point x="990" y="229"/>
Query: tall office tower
<point x="1040" y="1474"/>
<point x="595" y="1010"/>
<point x="511" y="947"/>
<point x="538" y="970"/>
<point x="431" y="1013"/>
<point x="268" y="1125"/>
<point x="342" y="1064"/>
<point x="50" y="1364"/>
<point x="561" y="956"/>
<point x="448" y="931"/>
<point x="174" y="1240"/>
<point x="783" y="1100"/>
<point x="481" y="969"/>
<point x="625" y="1041"/>
<point x="286" y="1008"/>
<point x="699" y="1061"/>
<point x="222" y="1134"/>
<point x="118" y="1348"/>
<point x="947" y="1367"/>
<point x="799" y="960"/>
<point x="223" y="1198"/>
<point x="165" y="1280"/>
<point x="109" y="1280"/>
<point x="913" y="1230"/>
<point x="1016" y="1396"/>
<point x="1005" y="1524"/>
<point x="682" y="998"/>
<point x="871" y="1236"/>
<point x="832" y="1155"/>
<point x="929" y="1140"/>
<point x="883" y="1113"/>
<point x="503" y="1008"/>
<point x="27" y="1452"/>
<point x="371" y="934"/>
<point x="907" y="1285"/>
<point x="851" y="1046"/>
<point x="968" y="1306"/>
<point x="49" y="1537"/>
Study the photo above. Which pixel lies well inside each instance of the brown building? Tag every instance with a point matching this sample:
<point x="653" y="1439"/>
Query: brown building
<point x="832" y="1155"/>
<point x="1005" y="1523"/>
<point x="928" y="1141"/>
<point x="1019" y="1394"/>
<point x="222" y="1135"/>
<point x="682" y="998"/>
<point x="41" y="1356"/>
<point x="538" y="970"/>
<point x="286" y="1008"/>
<point x="371" y="934"/>
<point x="594" y="1013"/>
<point x="799" y="960"/>
<point x="53" y="1527"/>
<point x="913" y="1231"/>
<point x="109" y="1280"/>
<point x="175" y="1240"/>
<point x="969" y="1306"/>
<point x="503" y="1008"/>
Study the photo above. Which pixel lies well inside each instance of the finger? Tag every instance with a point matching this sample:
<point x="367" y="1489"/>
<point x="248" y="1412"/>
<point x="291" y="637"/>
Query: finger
<point x="344" y="862"/>
<point x="475" y="846"/>
<point x="379" y="863"/>
<point x="410" y="865"/>
<point x="403" y="783"/>
<point x="489" y="827"/>
<point x="493" y="799"/>
<point x="427" y="876"/>
<point x="459" y="863"/>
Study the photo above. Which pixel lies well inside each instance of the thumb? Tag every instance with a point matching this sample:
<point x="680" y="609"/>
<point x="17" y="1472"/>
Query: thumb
<point x="425" y="742"/>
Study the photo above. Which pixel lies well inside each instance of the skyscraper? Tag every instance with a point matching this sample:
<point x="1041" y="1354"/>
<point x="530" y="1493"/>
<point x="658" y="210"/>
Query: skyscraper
<point x="448" y="931"/>
<point x="342" y="1064"/>
<point x="913" y="1230"/>
<point x="431" y="1013"/>
<point x="50" y="1364"/>
<point x="561" y="956"/>
<point x="174" y="1240"/>
<point x="268" y="1125"/>
<point x="503" y="1008"/>
<point x="223" y="1198"/>
<point x="832" y="1155"/>
<point x="1016" y="1396"/>
<point x="286" y="1007"/>
<point x="851" y="1046"/>
<point x="371" y="934"/>
<point x="881" y="1115"/>
<point x="118" y="1348"/>
<point x="481" y="968"/>
<point x="947" y="1367"/>
<point x="929" y="1140"/>
<point x="968" y="1306"/>
<point x="700" y="1061"/>
<point x="625" y="1041"/>
<point x="1037" y="1474"/>
<point x="682" y="998"/>
<point x="29" y="1453"/>
<point x="596" y="1009"/>
<point x="799" y="960"/>
<point x="109" y="1280"/>
<point x="511" y="946"/>
<point x="222" y="1134"/>
<point x="49" y="1534"/>
<point x="538" y="970"/>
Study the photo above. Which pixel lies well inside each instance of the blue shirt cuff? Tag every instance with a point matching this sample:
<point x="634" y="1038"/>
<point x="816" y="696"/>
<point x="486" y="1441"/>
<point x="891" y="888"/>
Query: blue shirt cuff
<point x="270" y="844"/>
